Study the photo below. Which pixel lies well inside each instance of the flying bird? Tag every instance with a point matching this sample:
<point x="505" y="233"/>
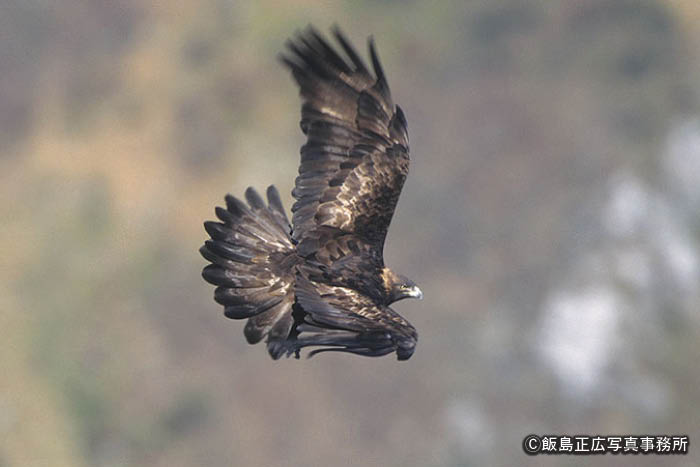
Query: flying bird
<point x="320" y="281"/>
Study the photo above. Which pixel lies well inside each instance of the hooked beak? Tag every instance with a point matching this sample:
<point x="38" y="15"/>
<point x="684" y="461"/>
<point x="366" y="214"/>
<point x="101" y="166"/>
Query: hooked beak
<point x="416" y="293"/>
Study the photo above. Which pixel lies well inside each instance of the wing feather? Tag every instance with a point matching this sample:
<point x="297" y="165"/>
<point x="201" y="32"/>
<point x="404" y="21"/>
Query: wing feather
<point x="344" y="320"/>
<point x="320" y="281"/>
<point x="353" y="166"/>
<point x="355" y="160"/>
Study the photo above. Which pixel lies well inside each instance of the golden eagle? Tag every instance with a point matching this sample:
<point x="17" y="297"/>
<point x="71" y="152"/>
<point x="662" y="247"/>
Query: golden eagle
<point x="321" y="281"/>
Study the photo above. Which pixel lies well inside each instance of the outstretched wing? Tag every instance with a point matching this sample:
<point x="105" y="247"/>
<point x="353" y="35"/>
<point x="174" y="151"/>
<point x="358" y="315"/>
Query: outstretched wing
<point x="343" y="320"/>
<point x="355" y="161"/>
<point x="353" y="167"/>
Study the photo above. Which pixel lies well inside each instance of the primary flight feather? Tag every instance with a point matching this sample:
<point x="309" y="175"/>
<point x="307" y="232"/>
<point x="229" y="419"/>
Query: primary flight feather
<point x="321" y="281"/>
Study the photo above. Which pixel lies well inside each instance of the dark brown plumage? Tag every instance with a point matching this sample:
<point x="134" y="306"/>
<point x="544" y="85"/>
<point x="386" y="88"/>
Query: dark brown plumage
<point x="322" y="282"/>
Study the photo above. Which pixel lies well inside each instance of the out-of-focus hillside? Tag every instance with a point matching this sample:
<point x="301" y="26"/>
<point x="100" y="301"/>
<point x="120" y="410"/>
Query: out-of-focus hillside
<point x="552" y="218"/>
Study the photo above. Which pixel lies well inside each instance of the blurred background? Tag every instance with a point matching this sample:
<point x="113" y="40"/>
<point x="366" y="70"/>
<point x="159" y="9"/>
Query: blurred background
<point x="552" y="219"/>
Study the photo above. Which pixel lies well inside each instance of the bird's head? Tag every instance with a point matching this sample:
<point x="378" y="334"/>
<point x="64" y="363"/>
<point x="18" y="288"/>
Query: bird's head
<point x="399" y="287"/>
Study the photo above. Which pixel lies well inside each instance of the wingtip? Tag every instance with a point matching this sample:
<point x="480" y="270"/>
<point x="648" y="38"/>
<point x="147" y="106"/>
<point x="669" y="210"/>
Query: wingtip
<point x="349" y="49"/>
<point x="284" y="60"/>
<point x="310" y="29"/>
<point x="376" y="64"/>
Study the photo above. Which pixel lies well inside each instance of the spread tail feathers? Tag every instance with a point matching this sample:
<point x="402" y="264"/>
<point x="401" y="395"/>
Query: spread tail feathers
<point x="250" y="252"/>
